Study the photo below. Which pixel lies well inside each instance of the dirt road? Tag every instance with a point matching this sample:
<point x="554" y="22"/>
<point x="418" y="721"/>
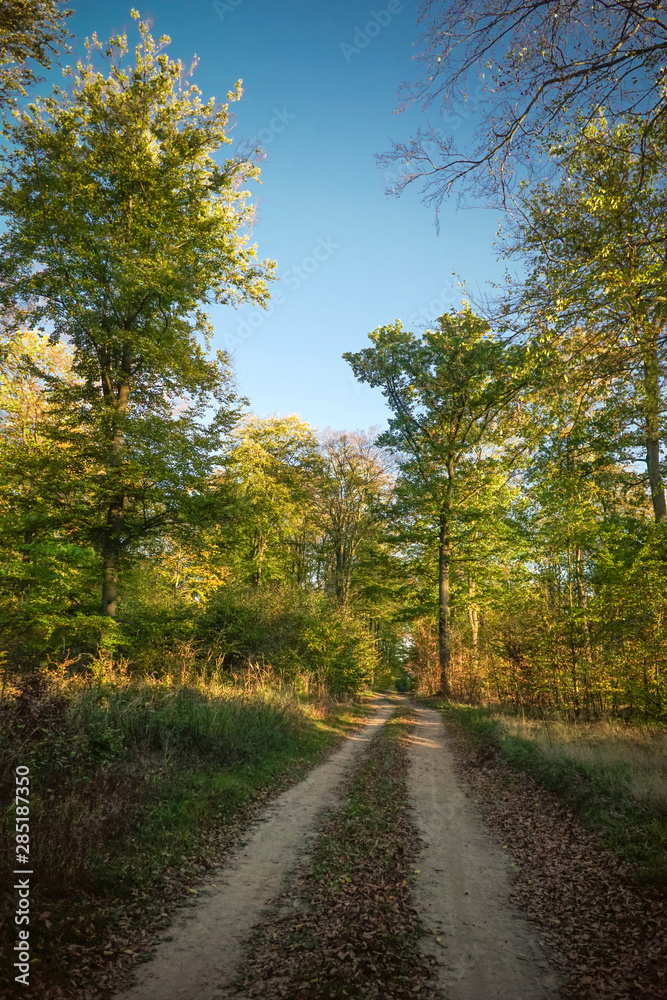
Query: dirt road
<point x="485" y="949"/>
<point x="200" y="953"/>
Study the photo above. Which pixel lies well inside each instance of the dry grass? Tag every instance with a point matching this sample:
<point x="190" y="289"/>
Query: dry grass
<point x="129" y="777"/>
<point x="635" y="755"/>
<point x="613" y="775"/>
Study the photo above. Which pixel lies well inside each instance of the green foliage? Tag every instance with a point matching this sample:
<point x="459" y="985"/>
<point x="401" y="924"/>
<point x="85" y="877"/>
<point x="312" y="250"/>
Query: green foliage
<point x="522" y="512"/>
<point x="298" y="633"/>
<point x="120" y="228"/>
<point x="62" y="728"/>
<point x="594" y="247"/>
<point x="265" y="474"/>
<point x="30" y="32"/>
<point x="511" y="547"/>
<point x="453" y="395"/>
<point x="348" y="492"/>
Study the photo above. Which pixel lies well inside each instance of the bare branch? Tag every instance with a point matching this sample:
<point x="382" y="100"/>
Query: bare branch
<point x="538" y="63"/>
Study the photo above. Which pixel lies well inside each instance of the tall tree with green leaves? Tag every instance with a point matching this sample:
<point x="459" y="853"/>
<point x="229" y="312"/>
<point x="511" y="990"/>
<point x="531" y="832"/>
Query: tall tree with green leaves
<point x="265" y="475"/>
<point x="120" y="227"/>
<point x="40" y="565"/>
<point x="595" y="245"/>
<point x="350" y="481"/>
<point x="450" y="393"/>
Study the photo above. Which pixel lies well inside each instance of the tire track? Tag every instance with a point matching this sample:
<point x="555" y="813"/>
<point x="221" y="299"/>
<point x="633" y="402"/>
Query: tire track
<point x="485" y="948"/>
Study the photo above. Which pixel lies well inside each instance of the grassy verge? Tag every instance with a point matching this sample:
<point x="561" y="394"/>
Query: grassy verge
<point x="349" y="927"/>
<point x="613" y="776"/>
<point x="137" y="789"/>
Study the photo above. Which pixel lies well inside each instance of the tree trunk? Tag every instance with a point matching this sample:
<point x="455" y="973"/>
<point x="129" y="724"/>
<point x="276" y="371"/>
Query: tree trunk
<point x="444" y="638"/>
<point x="258" y="547"/>
<point x="111" y="549"/>
<point x="26" y="559"/>
<point x="473" y="618"/>
<point x="110" y="562"/>
<point x="118" y="401"/>
<point x="345" y="553"/>
<point x="573" y="643"/>
<point x="339" y="581"/>
<point x="652" y="411"/>
<point x="581" y="599"/>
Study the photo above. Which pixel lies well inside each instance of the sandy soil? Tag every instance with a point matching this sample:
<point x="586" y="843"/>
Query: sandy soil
<point x="485" y="949"/>
<point x="199" y="955"/>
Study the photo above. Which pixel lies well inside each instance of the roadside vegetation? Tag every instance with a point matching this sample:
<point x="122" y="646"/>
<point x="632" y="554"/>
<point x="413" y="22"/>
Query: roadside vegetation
<point x="613" y="775"/>
<point x="137" y="787"/>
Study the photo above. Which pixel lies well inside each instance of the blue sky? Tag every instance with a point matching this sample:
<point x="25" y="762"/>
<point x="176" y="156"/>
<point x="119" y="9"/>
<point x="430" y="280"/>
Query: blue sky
<point x="320" y="90"/>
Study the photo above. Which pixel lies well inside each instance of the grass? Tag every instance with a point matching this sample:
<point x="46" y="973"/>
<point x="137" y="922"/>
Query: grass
<point x="613" y="775"/>
<point x="136" y="788"/>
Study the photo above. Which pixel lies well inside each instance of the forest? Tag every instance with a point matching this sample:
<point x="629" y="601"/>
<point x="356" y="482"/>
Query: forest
<point x="192" y="586"/>
<point x="503" y="539"/>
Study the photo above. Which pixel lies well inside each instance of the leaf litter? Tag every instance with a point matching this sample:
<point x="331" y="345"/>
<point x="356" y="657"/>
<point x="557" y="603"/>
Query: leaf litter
<point x="607" y="932"/>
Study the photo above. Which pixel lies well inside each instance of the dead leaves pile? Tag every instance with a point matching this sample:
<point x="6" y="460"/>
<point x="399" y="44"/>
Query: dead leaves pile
<point x="347" y="926"/>
<point x="608" y="935"/>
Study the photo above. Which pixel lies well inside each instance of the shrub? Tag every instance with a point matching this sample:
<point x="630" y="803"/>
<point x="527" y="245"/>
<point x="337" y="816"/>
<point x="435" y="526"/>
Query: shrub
<point x="299" y="634"/>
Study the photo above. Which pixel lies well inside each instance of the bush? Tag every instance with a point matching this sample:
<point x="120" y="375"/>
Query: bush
<point x="298" y="633"/>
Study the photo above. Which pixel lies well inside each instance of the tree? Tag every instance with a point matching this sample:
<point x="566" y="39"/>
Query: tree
<point x="449" y="392"/>
<point x="577" y="623"/>
<point x="30" y="30"/>
<point x="36" y="557"/>
<point x="537" y="63"/>
<point x="345" y="492"/>
<point x="265" y="473"/>
<point x="595" y="245"/>
<point x="121" y="227"/>
<point x="28" y="357"/>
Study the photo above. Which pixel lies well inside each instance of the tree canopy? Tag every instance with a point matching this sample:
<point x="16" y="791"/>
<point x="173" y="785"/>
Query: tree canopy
<point x="501" y="539"/>
<point x="449" y="392"/>
<point x="595" y="248"/>
<point x="31" y="32"/>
